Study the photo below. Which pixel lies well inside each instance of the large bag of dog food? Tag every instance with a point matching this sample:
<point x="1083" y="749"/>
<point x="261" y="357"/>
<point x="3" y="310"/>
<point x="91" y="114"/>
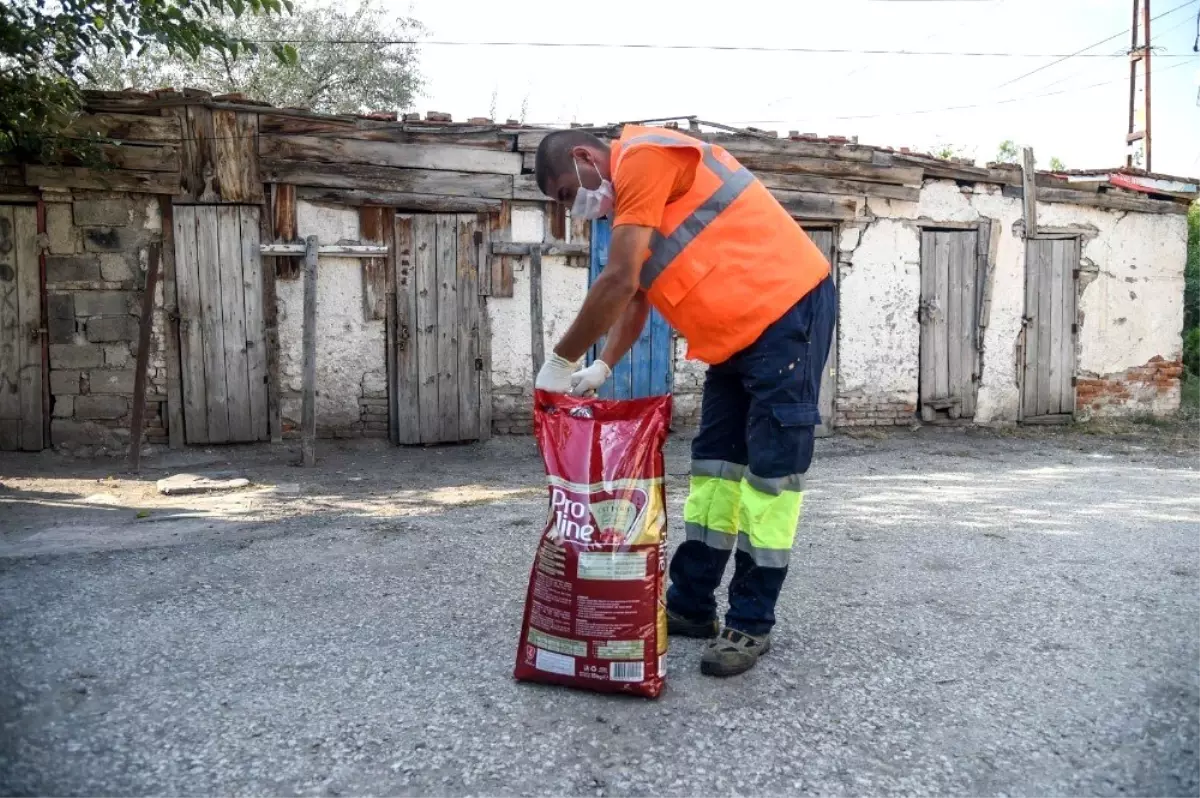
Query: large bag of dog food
<point x="594" y="613"/>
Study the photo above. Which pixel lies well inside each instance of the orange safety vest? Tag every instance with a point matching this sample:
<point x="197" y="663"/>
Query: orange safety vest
<point x="727" y="260"/>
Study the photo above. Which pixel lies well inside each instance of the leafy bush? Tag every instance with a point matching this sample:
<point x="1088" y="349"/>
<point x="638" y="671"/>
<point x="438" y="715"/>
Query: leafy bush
<point x="1191" y="351"/>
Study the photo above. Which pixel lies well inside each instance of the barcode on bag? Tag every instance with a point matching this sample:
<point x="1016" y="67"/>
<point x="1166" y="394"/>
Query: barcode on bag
<point x="627" y="671"/>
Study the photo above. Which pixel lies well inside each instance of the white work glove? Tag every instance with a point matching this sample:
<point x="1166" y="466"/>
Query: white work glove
<point x="586" y="382"/>
<point x="555" y="375"/>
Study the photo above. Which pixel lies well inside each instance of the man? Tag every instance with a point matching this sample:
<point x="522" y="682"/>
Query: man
<point x="703" y="241"/>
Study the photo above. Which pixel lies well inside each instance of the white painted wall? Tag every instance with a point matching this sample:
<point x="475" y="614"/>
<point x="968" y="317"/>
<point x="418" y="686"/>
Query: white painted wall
<point x="348" y="347"/>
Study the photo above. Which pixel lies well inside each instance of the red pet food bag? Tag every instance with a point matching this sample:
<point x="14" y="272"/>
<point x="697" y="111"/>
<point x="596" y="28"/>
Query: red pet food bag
<point x="594" y="613"/>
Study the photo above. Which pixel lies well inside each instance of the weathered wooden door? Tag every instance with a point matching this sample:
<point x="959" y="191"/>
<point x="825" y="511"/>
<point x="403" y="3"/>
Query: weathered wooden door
<point x="21" y="420"/>
<point x="825" y="238"/>
<point x="1048" y="376"/>
<point x="949" y="315"/>
<point x="646" y="368"/>
<point x="222" y="336"/>
<point x="440" y="382"/>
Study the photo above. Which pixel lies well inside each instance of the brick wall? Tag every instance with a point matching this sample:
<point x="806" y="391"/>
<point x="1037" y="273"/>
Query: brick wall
<point x="512" y="409"/>
<point x="873" y="411"/>
<point x="1151" y="389"/>
<point x="97" y="255"/>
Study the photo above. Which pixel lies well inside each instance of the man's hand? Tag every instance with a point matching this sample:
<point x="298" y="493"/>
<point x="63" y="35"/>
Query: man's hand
<point x="555" y="375"/>
<point x="586" y="382"/>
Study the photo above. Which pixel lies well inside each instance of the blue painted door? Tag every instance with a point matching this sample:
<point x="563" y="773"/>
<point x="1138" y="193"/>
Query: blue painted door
<point x="646" y="369"/>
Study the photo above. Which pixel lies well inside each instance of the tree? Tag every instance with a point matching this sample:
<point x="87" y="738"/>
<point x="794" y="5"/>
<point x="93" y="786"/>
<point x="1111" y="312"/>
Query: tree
<point x="949" y="151"/>
<point x="44" y="50"/>
<point x="1008" y="152"/>
<point x="330" y="75"/>
<point x="1056" y="165"/>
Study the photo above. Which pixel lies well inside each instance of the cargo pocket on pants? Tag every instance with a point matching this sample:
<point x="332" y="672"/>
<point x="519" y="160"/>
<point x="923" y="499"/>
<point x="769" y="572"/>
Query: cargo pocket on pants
<point x="797" y="414"/>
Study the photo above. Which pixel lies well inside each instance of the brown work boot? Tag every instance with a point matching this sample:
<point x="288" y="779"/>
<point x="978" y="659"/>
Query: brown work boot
<point x="678" y="626"/>
<point x="733" y="652"/>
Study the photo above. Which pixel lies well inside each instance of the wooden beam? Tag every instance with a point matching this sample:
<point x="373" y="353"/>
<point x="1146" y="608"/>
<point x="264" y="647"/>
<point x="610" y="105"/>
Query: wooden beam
<point x="235" y="157"/>
<point x="339" y="250"/>
<point x="832" y="167"/>
<point x="129" y="127"/>
<point x="171" y="313"/>
<point x="525" y="187"/>
<point x="549" y="248"/>
<point x="387" y="178"/>
<point x="806" y="205"/>
<point x="273" y="123"/>
<point x="102" y="179"/>
<point x="308" y="412"/>
<point x="1029" y="187"/>
<point x="270" y="300"/>
<point x="537" y="341"/>
<point x="829" y="185"/>
<point x="375" y="226"/>
<point x="137" y="423"/>
<point x="401" y="200"/>
<point x="925" y="221"/>
<point x="1110" y="201"/>
<point x="386" y="153"/>
<point x="163" y="158"/>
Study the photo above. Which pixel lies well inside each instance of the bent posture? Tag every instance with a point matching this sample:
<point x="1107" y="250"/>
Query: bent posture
<point x="697" y="236"/>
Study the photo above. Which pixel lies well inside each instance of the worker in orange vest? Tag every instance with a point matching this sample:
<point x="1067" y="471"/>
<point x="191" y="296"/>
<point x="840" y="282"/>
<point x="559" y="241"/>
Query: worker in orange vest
<point x="697" y="236"/>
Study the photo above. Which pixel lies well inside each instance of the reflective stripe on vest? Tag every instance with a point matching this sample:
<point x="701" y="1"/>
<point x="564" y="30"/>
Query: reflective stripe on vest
<point x="664" y="249"/>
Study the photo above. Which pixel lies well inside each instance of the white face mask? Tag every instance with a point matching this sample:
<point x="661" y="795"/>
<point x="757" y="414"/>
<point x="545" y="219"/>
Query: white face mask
<point x="592" y="203"/>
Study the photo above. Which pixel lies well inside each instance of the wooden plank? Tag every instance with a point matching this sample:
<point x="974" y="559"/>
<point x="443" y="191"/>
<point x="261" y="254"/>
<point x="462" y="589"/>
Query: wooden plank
<point x="549" y="248"/>
<point x="1057" y="319"/>
<point x="332" y="150"/>
<point x="406" y="378"/>
<point x="272" y="124"/>
<point x="468" y="329"/>
<point x="408" y="201"/>
<point x="814" y="207"/>
<point x="1109" y="200"/>
<point x="1070" y="265"/>
<point x="525" y="187"/>
<point x="1045" y="320"/>
<point x="197" y="172"/>
<point x="928" y="380"/>
<point x="308" y="401"/>
<point x="270" y="304"/>
<point x="235" y="156"/>
<point x="485" y="375"/>
<point x="163" y="158"/>
<point x="502" y="267"/>
<point x="233" y="324"/>
<point x="830" y="167"/>
<point x="425" y="332"/>
<point x="830" y="185"/>
<point x="528" y="161"/>
<point x="1029" y="187"/>
<point x="191" y="333"/>
<point x="129" y="127"/>
<point x="483" y="253"/>
<point x="739" y="146"/>
<point x="386" y="178"/>
<point x="101" y="179"/>
<point x="171" y="318"/>
<point x="941" y="273"/>
<point x="216" y="390"/>
<point x="1029" y="388"/>
<point x="283" y="227"/>
<point x="968" y="333"/>
<point x="337" y="250"/>
<point x="536" y="326"/>
<point x="137" y="423"/>
<point x="256" y="338"/>
<point x="373" y="221"/>
<point x="389" y="333"/>
<point x="938" y="224"/>
<point x="954" y="320"/>
<point x="29" y="344"/>
<point x="447" y="326"/>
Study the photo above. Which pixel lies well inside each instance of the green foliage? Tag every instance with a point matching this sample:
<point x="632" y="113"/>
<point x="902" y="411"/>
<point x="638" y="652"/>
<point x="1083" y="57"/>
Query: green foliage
<point x="1191" y="272"/>
<point x="1008" y="152"/>
<point x="44" y="50"/>
<point x="1056" y="164"/>
<point x="1191" y="351"/>
<point x="949" y="151"/>
<point x="368" y="75"/>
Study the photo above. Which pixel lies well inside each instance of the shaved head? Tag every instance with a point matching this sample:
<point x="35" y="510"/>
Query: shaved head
<point x="557" y="154"/>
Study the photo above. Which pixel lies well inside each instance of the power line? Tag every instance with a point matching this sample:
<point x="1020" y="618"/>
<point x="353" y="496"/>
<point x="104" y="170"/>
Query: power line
<point x="1083" y="52"/>
<point x="697" y="47"/>
<point x="959" y="107"/>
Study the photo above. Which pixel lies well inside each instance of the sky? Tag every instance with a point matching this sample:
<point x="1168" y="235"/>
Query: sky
<point x="892" y="100"/>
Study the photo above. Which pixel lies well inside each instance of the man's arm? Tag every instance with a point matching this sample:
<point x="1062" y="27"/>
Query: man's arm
<point x="610" y="295"/>
<point x="626" y="330"/>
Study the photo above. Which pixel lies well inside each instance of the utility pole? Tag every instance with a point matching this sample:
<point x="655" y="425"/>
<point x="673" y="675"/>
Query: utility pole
<point x="1139" y="53"/>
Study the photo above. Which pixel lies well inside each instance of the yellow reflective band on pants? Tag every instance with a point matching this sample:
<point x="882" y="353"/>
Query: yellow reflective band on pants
<point x="710" y="514"/>
<point x="730" y="506"/>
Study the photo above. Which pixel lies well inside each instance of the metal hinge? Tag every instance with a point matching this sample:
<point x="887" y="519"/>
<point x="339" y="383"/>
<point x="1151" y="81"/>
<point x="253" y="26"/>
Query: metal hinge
<point x="402" y="339"/>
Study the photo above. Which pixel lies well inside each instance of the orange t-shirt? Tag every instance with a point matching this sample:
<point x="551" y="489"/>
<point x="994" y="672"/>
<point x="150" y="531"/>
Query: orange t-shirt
<point x="650" y="177"/>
